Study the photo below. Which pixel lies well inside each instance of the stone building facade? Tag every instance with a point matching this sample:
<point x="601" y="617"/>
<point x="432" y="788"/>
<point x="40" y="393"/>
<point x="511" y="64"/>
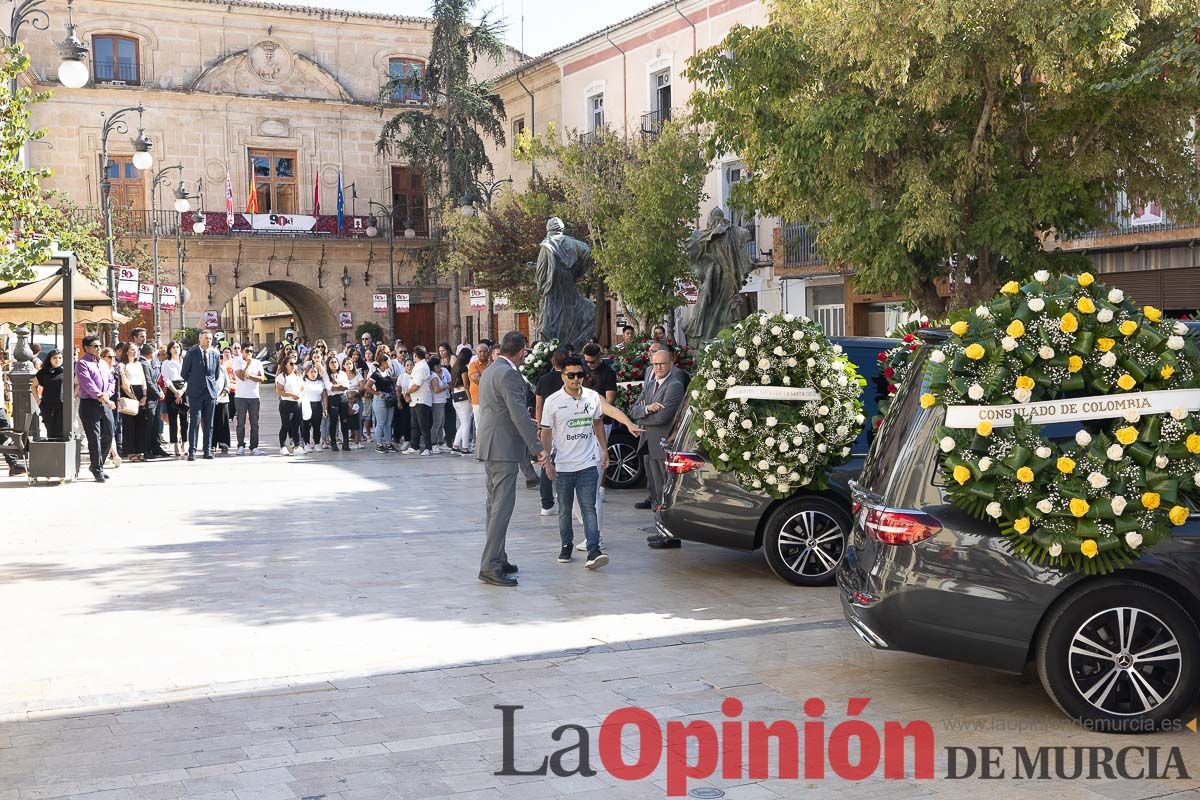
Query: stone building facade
<point x="232" y="86"/>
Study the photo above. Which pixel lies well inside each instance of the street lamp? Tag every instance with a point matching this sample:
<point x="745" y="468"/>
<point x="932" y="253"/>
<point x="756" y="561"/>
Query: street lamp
<point x="372" y="231"/>
<point x="181" y="206"/>
<point x="466" y="205"/>
<point x="198" y="223"/>
<point x="212" y="281"/>
<point x="142" y="159"/>
<point x="345" y="283"/>
<point x="72" y="71"/>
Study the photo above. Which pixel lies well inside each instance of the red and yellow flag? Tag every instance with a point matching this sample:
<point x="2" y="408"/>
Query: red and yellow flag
<point x="252" y="202"/>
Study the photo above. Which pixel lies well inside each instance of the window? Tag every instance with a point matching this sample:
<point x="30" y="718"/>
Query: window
<point x="115" y="59"/>
<point x="595" y="105"/>
<point x="661" y="82"/>
<point x="410" y="70"/>
<point x="733" y="175"/>
<point x="408" y="200"/>
<point x="518" y="127"/>
<point x="126" y="187"/>
<point x="275" y="180"/>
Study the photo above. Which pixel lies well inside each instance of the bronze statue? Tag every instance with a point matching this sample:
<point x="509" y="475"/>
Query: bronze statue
<point x="564" y="313"/>
<point x="720" y="263"/>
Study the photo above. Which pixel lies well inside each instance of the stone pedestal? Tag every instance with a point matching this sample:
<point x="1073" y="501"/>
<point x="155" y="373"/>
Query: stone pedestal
<point x="21" y="377"/>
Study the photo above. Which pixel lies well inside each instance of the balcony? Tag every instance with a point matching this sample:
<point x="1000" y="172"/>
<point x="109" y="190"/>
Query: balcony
<point x="122" y="71"/>
<point x="139" y="222"/>
<point x="1132" y="225"/>
<point x="652" y="123"/>
<point x="800" y="245"/>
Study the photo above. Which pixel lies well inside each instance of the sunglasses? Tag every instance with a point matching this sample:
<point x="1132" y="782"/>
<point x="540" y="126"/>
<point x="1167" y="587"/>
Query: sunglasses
<point x="572" y="376"/>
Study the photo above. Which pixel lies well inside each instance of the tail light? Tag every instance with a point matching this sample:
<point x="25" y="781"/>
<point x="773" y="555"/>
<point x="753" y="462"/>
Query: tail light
<point x="899" y="527"/>
<point x="679" y="463"/>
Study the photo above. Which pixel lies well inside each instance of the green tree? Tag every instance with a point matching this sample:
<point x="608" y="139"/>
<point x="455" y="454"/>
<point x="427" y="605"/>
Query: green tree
<point x="445" y="137"/>
<point x="942" y="142"/>
<point x="637" y="199"/>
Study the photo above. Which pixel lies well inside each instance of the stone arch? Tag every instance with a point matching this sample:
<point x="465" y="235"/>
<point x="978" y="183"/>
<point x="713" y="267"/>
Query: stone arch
<point x="315" y="317"/>
<point x="232" y="74"/>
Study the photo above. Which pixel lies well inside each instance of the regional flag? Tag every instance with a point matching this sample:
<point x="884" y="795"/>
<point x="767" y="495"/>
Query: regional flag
<point x="316" y="193"/>
<point x="228" y="200"/>
<point x="252" y="200"/>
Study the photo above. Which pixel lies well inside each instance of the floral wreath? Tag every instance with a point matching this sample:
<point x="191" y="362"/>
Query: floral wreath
<point x="776" y="403"/>
<point x="537" y="361"/>
<point x="894" y="364"/>
<point x="631" y="362"/>
<point x="1092" y="503"/>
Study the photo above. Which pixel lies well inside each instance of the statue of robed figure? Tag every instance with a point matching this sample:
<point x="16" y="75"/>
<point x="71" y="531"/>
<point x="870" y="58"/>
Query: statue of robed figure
<point x="720" y="263"/>
<point x="565" y="314"/>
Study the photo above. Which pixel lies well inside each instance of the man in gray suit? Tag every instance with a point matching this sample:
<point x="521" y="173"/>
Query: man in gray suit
<point x="505" y="435"/>
<point x="654" y="411"/>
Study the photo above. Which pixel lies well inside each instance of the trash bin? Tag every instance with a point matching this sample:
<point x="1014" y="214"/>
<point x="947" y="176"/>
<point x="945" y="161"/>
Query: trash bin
<point x="55" y="459"/>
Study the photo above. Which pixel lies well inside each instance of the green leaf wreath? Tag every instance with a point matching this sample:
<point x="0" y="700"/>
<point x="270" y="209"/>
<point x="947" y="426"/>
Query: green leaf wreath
<point x="776" y="446"/>
<point x="1095" y="502"/>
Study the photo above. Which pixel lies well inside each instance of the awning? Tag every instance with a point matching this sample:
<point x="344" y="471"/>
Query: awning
<point x="45" y="290"/>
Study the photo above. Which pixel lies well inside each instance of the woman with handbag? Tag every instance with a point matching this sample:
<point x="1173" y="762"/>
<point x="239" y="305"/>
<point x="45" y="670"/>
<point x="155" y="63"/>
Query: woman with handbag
<point x="289" y="385"/>
<point x="381" y="382"/>
<point x="336" y="388"/>
<point x="175" y="396"/>
<point x="221" y="407"/>
<point x="460" y="396"/>
<point x="131" y="402"/>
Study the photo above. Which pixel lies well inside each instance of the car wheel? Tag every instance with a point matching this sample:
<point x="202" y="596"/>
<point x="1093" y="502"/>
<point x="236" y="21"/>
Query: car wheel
<point x="805" y="539"/>
<point x="1120" y="657"/>
<point x="624" y="465"/>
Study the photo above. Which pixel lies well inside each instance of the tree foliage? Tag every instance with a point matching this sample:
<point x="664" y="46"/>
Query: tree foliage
<point x="638" y="199"/>
<point x="936" y="143"/>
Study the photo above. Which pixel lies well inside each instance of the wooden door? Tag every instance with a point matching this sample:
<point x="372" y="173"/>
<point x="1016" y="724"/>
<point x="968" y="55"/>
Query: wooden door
<point x="418" y="326"/>
<point x="523" y="324"/>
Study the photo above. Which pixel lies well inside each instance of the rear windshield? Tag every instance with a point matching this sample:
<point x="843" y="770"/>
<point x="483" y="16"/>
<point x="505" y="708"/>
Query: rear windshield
<point x="893" y="441"/>
<point x="866" y="360"/>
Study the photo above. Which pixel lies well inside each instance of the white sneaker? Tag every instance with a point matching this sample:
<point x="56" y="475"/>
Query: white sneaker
<point x="426" y="452"/>
<point x="258" y="451"/>
<point x="407" y="451"/>
<point x="549" y="512"/>
<point x="283" y="451"/>
<point x="582" y="546"/>
<point x="310" y="448"/>
<point x="241" y="451"/>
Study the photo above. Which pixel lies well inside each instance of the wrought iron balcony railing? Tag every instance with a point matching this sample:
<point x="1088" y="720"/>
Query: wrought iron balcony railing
<point x="800" y="245"/>
<point x="652" y="123"/>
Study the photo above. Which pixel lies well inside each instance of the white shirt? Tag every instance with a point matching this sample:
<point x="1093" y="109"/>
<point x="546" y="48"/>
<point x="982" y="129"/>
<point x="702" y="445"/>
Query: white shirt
<point x="248" y="389"/>
<point x="420" y="377"/>
<point x="442" y="396"/>
<point x="172" y="370"/>
<point x="292" y="384"/>
<point x="313" y="390"/>
<point x="570" y="420"/>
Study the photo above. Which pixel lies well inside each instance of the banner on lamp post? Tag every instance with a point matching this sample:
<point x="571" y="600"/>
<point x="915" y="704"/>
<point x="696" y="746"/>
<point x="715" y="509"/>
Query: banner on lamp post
<point x="379" y="303"/>
<point x="500" y="301"/>
<point x="345" y="320"/>
<point x="127" y="284"/>
<point x="145" y="296"/>
<point x="167" y="297"/>
<point x="402" y="303"/>
<point x="478" y="298"/>
<point x="212" y="320"/>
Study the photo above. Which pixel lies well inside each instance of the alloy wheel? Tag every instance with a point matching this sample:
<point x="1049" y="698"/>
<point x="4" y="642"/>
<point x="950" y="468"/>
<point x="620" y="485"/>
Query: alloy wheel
<point x="1125" y="661"/>
<point x="811" y="543"/>
<point x="622" y="464"/>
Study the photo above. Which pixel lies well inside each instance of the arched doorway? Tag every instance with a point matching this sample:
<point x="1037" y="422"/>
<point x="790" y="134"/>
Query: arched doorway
<point x="264" y="312"/>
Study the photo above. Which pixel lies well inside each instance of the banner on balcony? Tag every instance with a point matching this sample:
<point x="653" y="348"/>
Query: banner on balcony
<point x="145" y="296"/>
<point x="212" y="320"/>
<point x="402" y="303"/>
<point x="345" y="320"/>
<point x="500" y="301"/>
<point x="167" y="297"/>
<point x="379" y="303"/>
<point x="281" y="223"/>
<point x="478" y="299"/>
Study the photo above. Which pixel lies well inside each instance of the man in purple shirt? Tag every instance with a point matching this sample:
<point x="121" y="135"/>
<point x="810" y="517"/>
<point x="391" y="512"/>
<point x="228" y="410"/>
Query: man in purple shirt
<point x="96" y="383"/>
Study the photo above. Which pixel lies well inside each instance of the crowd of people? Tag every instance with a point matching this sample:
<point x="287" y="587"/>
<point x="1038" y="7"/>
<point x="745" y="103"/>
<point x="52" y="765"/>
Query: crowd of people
<point x="137" y="400"/>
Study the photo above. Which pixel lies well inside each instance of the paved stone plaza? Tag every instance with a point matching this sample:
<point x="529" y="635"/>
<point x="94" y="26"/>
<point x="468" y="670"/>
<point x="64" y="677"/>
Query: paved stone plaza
<point x="258" y="628"/>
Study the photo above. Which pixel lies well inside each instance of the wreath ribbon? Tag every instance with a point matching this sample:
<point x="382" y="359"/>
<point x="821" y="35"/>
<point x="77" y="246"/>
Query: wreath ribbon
<point x="1074" y="409"/>
<point x="787" y="394"/>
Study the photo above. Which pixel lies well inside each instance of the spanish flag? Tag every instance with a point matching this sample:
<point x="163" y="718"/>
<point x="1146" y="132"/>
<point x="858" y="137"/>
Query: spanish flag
<point x="252" y="201"/>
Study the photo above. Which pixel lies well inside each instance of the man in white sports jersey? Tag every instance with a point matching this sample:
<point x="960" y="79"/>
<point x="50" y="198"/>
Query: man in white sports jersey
<point x="573" y="429"/>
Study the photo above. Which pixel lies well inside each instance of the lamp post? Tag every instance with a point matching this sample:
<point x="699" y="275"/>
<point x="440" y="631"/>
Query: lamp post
<point x="182" y="206"/>
<point x="181" y="251"/>
<point x="485" y="190"/>
<point x="345" y="283"/>
<point x="373" y="231"/>
<point x="143" y="159"/>
<point x="72" y="70"/>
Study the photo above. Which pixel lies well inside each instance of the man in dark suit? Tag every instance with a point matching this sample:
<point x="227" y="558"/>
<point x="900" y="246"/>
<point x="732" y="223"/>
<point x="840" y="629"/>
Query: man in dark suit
<point x="662" y="395"/>
<point x="201" y="370"/>
<point x="505" y="434"/>
<point x="151" y="447"/>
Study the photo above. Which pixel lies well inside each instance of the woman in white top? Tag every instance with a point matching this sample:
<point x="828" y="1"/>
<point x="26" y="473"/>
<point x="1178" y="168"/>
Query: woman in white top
<point x="312" y="395"/>
<point x="353" y="380"/>
<point x="439" y="382"/>
<point x="336" y="387"/>
<point x="175" y="396"/>
<point x="131" y="379"/>
<point x="288" y="385"/>
<point x="460" y="395"/>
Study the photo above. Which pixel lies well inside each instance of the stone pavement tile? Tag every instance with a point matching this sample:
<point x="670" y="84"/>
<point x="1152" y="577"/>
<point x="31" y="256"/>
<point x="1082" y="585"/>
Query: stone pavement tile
<point x="48" y="791"/>
<point x="267" y="749"/>
<point x="272" y="792"/>
<point x="158" y="791"/>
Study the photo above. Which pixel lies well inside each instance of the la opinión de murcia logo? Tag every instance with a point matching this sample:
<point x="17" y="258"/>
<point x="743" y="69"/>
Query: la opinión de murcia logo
<point x="852" y="750"/>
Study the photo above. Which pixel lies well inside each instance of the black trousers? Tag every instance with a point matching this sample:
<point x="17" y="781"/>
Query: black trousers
<point x="133" y="428"/>
<point x="339" y="416"/>
<point x="177" y="421"/>
<point x="221" y="424"/>
<point x="289" y="421"/>
<point x="52" y="418"/>
<point x="422" y="424"/>
<point x="97" y="422"/>
<point x="150" y="446"/>
<point x="401" y="422"/>
<point x="310" y="429"/>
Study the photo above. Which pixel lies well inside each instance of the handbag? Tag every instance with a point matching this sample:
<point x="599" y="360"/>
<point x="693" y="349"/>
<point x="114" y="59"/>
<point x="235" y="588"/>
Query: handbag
<point x="128" y="406"/>
<point x="389" y="399"/>
<point x="459" y="396"/>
